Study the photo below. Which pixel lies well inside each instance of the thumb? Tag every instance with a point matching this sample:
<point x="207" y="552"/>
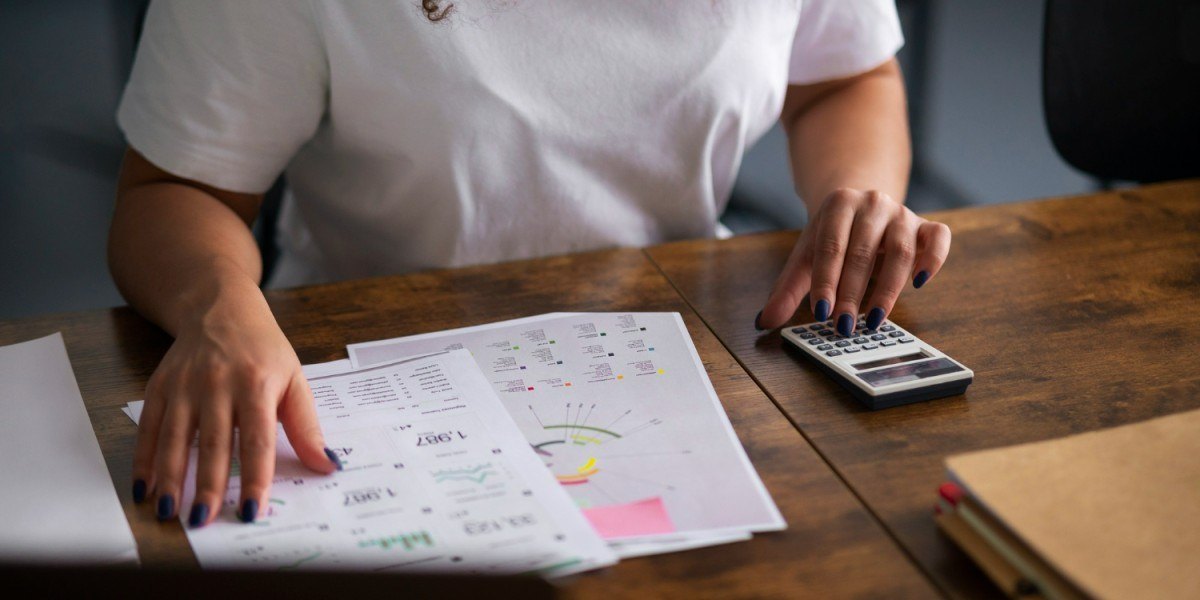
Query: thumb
<point x="790" y="288"/>
<point x="298" y="415"/>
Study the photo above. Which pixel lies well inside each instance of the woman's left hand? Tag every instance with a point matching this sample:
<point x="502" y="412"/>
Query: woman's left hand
<point x="851" y="235"/>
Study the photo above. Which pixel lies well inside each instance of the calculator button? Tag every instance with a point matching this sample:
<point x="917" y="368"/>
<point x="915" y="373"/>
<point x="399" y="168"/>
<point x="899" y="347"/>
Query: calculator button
<point x="860" y="340"/>
<point x="906" y="340"/>
<point x="825" y="332"/>
<point x="824" y="347"/>
<point x="817" y="326"/>
<point x="887" y="328"/>
<point x="842" y="344"/>
<point x="870" y="346"/>
<point x="888" y="343"/>
<point x="815" y="341"/>
<point x="896" y="334"/>
<point x="851" y="350"/>
<point x="878" y="337"/>
<point x="806" y="335"/>
<point x="834" y="353"/>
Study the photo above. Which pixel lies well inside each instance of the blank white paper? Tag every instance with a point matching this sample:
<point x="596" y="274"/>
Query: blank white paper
<point x="56" y="496"/>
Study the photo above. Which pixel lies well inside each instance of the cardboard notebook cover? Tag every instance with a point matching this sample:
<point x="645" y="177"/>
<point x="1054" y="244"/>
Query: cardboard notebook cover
<point x="1116" y="512"/>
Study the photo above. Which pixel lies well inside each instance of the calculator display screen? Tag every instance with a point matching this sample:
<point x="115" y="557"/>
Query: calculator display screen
<point x="909" y="372"/>
<point x="892" y="360"/>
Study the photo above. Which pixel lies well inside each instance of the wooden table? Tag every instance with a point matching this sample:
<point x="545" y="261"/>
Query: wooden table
<point x="1075" y="314"/>
<point x="833" y="546"/>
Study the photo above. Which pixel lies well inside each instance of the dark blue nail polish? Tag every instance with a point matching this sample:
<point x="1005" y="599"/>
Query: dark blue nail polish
<point x="198" y="516"/>
<point x="822" y="312"/>
<point x="139" y="491"/>
<point x="249" y="511"/>
<point x="333" y="458"/>
<point x="920" y="279"/>
<point x="874" y="318"/>
<point x="166" y="507"/>
<point x="845" y="325"/>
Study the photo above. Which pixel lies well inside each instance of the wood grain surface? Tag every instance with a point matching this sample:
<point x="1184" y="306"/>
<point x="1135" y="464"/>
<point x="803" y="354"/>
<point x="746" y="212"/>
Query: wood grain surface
<point x="832" y="548"/>
<point x="1075" y="314"/>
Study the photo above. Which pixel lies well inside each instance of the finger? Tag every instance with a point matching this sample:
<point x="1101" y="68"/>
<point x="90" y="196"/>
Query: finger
<point x="298" y="414"/>
<point x="171" y="458"/>
<point x="933" y="246"/>
<point x="859" y="261"/>
<point x="256" y="441"/>
<point x="212" y="463"/>
<point x="147" y="440"/>
<point x="829" y="248"/>
<point x="790" y="287"/>
<point x="899" y="251"/>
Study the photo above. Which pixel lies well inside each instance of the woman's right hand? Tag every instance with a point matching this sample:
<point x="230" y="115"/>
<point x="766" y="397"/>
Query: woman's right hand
<point x="229" y="369"/>
<point x="183" y="255"/>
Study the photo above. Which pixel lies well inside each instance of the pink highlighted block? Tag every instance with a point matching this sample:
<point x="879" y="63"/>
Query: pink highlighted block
<point x="644" y="517"/>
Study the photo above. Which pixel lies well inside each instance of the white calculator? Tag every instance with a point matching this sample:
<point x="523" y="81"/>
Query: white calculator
<point x="882" y="367"/>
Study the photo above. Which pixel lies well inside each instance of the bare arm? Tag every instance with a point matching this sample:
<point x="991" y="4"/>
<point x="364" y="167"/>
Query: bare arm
<point x="175" y="245"/>
<point x="850" y="156"/>
<point x="849" y="133"/>
<point x="183" y="255"/>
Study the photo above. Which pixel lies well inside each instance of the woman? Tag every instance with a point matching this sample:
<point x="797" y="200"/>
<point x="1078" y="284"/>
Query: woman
<point x="437" y="135"/>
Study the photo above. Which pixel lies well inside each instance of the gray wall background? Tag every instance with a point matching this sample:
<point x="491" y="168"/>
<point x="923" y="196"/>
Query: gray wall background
<point x="974" y="83"/>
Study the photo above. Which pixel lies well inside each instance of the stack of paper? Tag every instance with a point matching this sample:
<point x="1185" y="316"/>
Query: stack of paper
<point x="57" y="500"/>
<point x="1108" y="514"/>
<point x="511" y="447"/>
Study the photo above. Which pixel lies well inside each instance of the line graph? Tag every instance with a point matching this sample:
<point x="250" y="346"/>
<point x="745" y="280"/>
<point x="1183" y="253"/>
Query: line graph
<point x="298" y="563"/>
<point x="478" y="474"/>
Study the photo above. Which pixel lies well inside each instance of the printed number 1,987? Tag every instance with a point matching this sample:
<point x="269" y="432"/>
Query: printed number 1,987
<point x="440" y="438"/>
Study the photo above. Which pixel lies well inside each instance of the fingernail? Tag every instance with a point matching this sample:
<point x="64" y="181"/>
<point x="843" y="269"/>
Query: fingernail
<point x="845" y="325"/>
<point x="822" y="312"/>
<point x="874" y="318"/>
<point x="166" y="506"/>
<point x="337" y="462"/>
<point x="198" y="516"/>
<point x="139" y="491"/>
<point x="920" y="279"/>
<point x="249" y="511"/>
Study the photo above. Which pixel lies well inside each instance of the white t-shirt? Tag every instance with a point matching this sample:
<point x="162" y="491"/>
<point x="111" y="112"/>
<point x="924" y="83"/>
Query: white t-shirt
<point x="511" y="129"/>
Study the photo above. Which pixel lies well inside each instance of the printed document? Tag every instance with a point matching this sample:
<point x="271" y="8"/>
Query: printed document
<point x="436" y="478"/>
<point x="619" y="408"/>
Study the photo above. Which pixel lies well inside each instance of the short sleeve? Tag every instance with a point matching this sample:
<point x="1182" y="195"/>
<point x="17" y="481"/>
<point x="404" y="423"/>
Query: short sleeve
<point x="839" y="38"/>
<point x="225" y="91"/>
